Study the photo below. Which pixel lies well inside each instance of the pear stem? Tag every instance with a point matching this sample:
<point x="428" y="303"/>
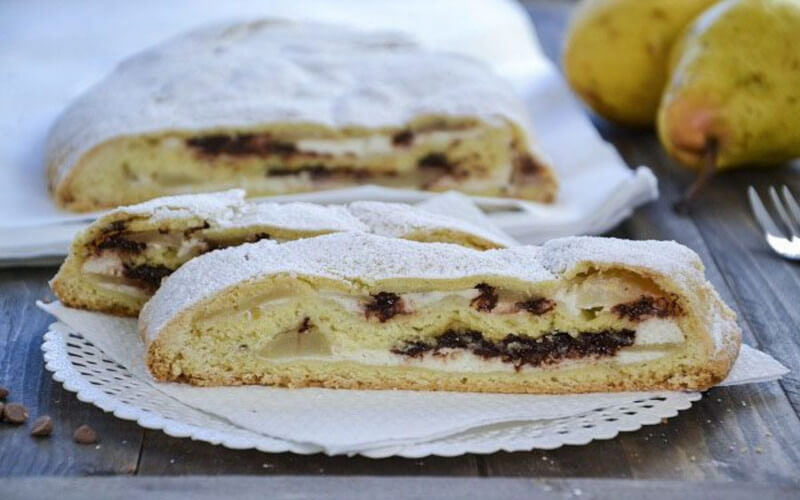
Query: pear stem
<point x="707" y="171"/>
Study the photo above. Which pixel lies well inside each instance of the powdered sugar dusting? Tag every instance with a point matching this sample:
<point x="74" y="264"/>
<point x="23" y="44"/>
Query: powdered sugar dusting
<point x="229" y="209"/>
<point x="250" y="74"/>
<point x="399" y="220"/>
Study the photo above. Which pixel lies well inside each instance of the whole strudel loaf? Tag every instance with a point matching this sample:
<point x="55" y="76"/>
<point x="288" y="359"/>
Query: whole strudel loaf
<point x="116" y="263"/>
<point x="354" y="310"/>
<point x="278" y="107"/>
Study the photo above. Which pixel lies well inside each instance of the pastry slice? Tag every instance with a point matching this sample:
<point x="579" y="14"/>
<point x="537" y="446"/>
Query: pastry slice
<point x="354" y="310"/>
<point x="118" y="262"/>
<point x="278" y="107"/>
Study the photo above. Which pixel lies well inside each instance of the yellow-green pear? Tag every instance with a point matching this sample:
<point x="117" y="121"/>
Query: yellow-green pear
<point x="733" y="96"/>
<point x="616" y="52"/>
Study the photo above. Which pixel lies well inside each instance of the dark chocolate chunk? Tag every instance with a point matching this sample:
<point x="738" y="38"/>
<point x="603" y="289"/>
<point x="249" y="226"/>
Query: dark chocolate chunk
<point x="536" y="306"/>
<point x="120" y="243"/>
<point x="435" y="160"/>
<point x="15" y="413"/>
<point x="240" y="145"/>
<point x="3" y="393"/>
<point x="412" y="348"/>
<point x="647" y="307"/>
<point x="305" y="325"/>
<point x="42" y="426"/>
<point x="384" y="306"/>
<point x="520" y="350"/>
<point x="84" y="435"/>
<point x="403" y="138"/>
<point x="147" y="275"/>
<point x="525" y="165"/>
<point x="487" y="300"/>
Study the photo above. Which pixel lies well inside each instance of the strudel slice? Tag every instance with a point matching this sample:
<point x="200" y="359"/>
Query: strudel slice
<point x="118" y="262"/>
<point x="277" y="107"/>
<point x="353" y="310"/>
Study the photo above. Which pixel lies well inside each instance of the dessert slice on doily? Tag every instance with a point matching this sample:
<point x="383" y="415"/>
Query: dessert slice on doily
<point x="353" y="310"/>
<point x="279" y="107"/>
<point x="117" y="263"/>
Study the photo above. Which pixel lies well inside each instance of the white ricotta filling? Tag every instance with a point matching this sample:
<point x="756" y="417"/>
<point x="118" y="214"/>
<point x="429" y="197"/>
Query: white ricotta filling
<point x="655" y="331"/>
<point x="106" y="264"/>
<point x="463" y="361"/>
<point x="378" y="144"/>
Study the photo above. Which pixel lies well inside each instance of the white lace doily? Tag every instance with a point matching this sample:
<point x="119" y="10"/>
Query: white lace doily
<point x="85" y="370"/>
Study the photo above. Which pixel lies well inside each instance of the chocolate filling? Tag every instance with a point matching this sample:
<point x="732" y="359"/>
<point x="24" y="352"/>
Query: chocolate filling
<point x="537" y="306"/>
<point x="147" y="275"/>
<point x="318" y="171"/>
<point x="525" y="165"/>
<point x="403" y="138"/>
<point x="305" y="325"/>
<point x="487" y="300"/>
<point x="648" y="307"/>
<point x="521" y="350"/>
<point x="111" y="238"/>
<point x="436" y="161"/>
<point x="240" y="145"/>
<point x="384" y="306"/>
<point x="118" y="242"/>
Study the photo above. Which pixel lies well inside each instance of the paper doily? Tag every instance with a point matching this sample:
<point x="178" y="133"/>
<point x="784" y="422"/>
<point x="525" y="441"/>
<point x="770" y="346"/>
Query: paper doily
<point x="84" y="369"/>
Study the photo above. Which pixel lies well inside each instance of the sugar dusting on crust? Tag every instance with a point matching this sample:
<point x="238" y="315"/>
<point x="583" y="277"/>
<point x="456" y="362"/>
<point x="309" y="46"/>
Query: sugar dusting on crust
<point x="248" y="74"/>
<point x="351" y="258"/>
<point x="398" y="220"/>
<point x="229" y="209"/>
<point x="356" y="259"/>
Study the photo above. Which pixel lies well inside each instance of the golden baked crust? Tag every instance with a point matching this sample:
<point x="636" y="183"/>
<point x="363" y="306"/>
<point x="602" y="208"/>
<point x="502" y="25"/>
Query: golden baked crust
<point x="359" y="311"/>
<point x="116" y="263"/>
<point x="292" y="107"/>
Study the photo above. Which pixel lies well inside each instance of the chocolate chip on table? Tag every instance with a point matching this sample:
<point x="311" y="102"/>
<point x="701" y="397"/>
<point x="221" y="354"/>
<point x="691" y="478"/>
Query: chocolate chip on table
<point x="42" y="426"/>
<point x="84" y="435"/>
<point x="15" y="413"/>
<point x="3" y="393"/>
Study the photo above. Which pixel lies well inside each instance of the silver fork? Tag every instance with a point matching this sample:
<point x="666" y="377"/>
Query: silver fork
<point x="785" y="242"/>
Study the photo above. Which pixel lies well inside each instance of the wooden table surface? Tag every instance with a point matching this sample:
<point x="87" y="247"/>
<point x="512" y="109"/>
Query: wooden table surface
<point x="744" y="434"/>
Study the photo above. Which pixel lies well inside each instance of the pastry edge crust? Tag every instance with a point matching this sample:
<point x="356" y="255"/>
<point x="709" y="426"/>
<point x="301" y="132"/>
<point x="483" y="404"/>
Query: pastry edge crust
<point x="707" y="304"/>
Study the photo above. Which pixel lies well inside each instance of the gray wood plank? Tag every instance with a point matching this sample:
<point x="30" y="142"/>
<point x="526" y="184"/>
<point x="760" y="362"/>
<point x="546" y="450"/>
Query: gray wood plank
<point x="22" y="372"/>
<point x="163" y="455"/>
<point x="355" y="488"/>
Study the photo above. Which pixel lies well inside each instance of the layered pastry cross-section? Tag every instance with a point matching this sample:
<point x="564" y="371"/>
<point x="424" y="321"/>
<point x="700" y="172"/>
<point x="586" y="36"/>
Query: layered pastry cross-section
<point x="354" y="310"/>
<point x="118" y="262"/>
<point x="278" y="107"/>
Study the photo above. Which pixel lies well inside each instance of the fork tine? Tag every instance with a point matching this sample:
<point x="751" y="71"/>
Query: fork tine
<point x="792" y="205"/>
<point x="788" y="223"/>
<point x="761" y="214"/>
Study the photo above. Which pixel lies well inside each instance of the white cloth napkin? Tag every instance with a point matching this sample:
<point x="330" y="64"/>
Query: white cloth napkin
<point x="48" y="60"/>
<point x="349" y="421"/>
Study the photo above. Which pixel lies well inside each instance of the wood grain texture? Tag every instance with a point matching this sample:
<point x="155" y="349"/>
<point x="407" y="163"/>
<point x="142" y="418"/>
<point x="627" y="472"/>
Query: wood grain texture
<point x="368" y="488"/>
<point x="22" y="372"/>
<point x="163" y="455"/>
